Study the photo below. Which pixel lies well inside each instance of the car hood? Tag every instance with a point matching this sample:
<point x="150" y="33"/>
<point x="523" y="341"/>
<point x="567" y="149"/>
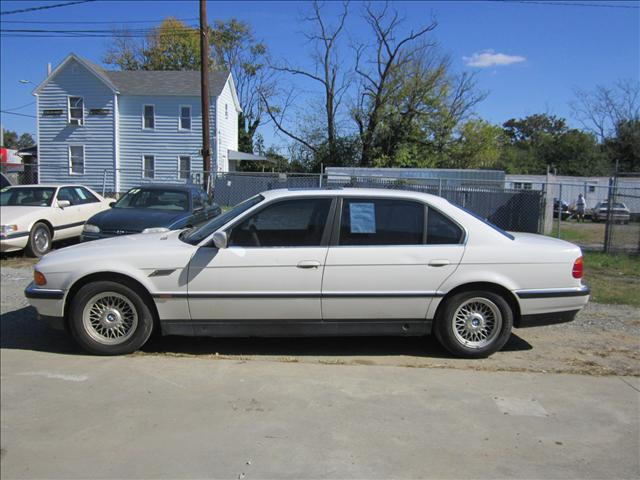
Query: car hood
<point x="20" y="215"/>
<point x="135" y="219"/>
<point x="141" y="251"/>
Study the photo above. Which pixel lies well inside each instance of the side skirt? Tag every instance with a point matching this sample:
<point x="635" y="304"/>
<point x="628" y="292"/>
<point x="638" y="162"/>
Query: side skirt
<point x="295" y="328"/>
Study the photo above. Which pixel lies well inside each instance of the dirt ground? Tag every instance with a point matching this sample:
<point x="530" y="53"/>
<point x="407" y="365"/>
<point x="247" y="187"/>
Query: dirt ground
<point x="603" y="340"/>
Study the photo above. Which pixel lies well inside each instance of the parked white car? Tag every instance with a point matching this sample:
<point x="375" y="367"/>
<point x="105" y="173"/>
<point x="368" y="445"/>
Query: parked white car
<point x="34" y="216"/>
<point x="315" y="262"/>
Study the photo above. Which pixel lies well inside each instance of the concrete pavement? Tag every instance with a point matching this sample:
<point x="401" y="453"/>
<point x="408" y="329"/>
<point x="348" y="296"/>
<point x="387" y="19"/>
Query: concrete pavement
<point x="74" y="416"/>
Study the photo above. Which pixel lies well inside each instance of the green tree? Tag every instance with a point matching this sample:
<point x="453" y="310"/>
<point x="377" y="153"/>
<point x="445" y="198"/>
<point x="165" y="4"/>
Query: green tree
<point x="12" y="140"/>
<point x="624" y="147"/>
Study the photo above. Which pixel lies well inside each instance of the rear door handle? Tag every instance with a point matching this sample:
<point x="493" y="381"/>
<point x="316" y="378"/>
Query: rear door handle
<point x="439" y="263"/>
<point x="308" y="264"/>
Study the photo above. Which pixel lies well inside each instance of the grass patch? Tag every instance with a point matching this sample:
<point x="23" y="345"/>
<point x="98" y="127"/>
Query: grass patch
<point x="613" y="278"/>
<point x="583" y="233"/>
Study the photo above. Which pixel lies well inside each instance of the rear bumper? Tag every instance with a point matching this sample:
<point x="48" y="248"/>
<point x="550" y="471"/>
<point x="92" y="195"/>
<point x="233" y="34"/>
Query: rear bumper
<point x="540" y="319"/>
<point x="549" y="306"/>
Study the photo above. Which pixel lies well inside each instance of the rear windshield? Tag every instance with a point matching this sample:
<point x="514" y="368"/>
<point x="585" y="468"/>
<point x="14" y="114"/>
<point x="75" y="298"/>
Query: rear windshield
<point x="177" y="200"/>
<point x="27" y="197"/>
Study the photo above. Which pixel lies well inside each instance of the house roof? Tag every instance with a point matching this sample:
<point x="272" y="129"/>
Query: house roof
<point x="151" y="82"/>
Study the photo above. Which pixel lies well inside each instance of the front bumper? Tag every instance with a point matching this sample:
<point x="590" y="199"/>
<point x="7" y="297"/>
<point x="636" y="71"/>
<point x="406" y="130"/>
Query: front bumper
<point x="48" y="302"/>
<point x="14" y="242"/>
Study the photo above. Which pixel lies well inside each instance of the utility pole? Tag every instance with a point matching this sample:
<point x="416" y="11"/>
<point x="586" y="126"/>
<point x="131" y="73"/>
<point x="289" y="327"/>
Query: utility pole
<point x="204" y="94"/>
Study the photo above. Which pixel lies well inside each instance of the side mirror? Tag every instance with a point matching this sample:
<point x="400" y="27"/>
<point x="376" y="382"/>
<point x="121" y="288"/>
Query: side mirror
<point x="220" y="239"/>
<point x="112" y="204"/>
<point x="198" y="209"/>
<point x="64" y="203"/>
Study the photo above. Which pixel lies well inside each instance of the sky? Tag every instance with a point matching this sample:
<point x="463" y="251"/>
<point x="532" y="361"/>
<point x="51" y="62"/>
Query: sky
<point x="529" y="56"/>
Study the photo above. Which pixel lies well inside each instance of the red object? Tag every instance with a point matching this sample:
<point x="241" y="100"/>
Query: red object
<point x="9" y="156"/>
<point x="578" y="268"/>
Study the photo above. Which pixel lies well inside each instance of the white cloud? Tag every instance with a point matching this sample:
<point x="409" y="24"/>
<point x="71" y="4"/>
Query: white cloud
<point x="489" y="58"/>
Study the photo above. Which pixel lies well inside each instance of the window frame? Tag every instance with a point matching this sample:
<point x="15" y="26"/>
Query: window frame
<point x="325" y="238"/>
<point x="144" y="168"/>
<point x="144" y="107"/>
<point x="337" y="222"/>
<point x="180" y="117"/>
<point x="69" y="97"/>
<point x="188" y="177"/>
<point x="84" y="159"/>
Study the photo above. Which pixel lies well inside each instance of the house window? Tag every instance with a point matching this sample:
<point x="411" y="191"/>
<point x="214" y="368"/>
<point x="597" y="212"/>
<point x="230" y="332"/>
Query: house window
<point x="185" y="167"/>
<point x="527" y="186"/>
<point x="592" y="188"/>
<point x="185" y="117"/>
<point x="76" y="111"/>
<point x="149" y="162"/>
<point x="149" y="117"/>
<point x="76" y="159"/>
<point x="226" y="110"/>
<point x="517" y="185"/>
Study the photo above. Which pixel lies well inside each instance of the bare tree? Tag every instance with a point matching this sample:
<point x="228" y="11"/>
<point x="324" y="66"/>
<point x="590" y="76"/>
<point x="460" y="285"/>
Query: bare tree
<point x="602" y="110"/>
<point x="326" y="71"/>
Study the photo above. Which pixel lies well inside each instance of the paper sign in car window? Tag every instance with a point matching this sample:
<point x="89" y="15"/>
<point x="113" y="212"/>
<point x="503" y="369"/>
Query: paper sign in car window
<point x="363" y="217"/>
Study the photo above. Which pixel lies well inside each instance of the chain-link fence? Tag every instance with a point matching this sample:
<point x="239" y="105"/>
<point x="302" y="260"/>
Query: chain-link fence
<point x="549" y="208"/>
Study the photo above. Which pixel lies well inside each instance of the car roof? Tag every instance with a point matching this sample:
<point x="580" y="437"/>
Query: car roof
<point x="50" y="185"/>
<point x="168" y="186"/>
<point x="353" y="192"/>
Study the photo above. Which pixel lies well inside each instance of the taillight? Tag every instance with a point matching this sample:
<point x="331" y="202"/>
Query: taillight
<point x="578" y="268"/>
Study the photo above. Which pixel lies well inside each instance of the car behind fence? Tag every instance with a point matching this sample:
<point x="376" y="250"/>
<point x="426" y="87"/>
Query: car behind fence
<point x="542" y="207"/>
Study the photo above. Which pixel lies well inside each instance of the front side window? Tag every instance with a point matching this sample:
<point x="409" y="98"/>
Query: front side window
<point x="76" y="159"/>
<point x="368" y="221"/>
<point x="185" y="117"/>
<point x="149" y="166"/>
<point x="85" y="195"/>
<point x="149" y="117"/>
<point x="76" y="111"/>
<point x="290" y="223"/>
<point x="185" y="167"/>
<point x="70" y="195"/>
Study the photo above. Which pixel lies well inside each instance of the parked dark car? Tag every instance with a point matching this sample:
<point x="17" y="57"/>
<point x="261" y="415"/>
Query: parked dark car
<point x="4" y="181"/>
<point x="563" y="207"/>
<point x="152" y="208"/>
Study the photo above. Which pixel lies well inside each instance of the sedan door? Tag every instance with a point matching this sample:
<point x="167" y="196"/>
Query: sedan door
<point x="387" y="259"/>
<point x="272" y="268"/>
<point x="68" y="221"/>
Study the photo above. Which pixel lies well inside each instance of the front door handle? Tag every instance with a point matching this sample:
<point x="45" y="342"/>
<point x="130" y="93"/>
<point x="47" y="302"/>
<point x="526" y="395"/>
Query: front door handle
<point x="308" y="264"/>
<point x="439" y="263"/>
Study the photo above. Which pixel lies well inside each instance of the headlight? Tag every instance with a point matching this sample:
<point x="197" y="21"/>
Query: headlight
<point x="91" y="228"/>
<point x="155" y="230"/>
<point x="7" y="229"/>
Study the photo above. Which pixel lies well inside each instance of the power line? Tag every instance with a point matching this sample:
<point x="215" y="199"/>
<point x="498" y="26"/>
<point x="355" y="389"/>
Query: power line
<point x="20" y="107"/>
<point x="567" y="4"/>
<point x="44" y="7"/>
<point x="82" y="22"/>
<point x="18" y="114"/>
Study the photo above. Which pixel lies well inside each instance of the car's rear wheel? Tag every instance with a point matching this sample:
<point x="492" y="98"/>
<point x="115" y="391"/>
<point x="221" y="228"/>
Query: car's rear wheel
<point x="108" y="318"/>
<point x="39" y="240"/>
<point x="474" y="324"/>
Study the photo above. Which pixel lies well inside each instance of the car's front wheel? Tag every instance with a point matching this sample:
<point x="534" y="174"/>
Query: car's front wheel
<point x="474" y="324"/>
<point x="108" y="318"/>
<point x="39" y="240"/>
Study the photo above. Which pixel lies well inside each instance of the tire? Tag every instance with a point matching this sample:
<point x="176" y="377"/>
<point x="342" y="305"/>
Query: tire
<point x="108" y="318"/>
<point x="473" y="309"/>
<point x="39" y="240"/>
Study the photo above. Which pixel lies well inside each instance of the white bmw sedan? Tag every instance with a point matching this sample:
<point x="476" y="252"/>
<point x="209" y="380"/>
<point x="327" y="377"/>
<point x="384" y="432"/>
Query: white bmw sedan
<point x="33" y="216"/>
<point x="315" y="262"/>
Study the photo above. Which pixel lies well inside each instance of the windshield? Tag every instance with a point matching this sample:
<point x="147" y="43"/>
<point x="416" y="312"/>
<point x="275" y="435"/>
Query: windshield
<point x="486" y="222"/>
<point x="195" y="236"/>
<point x="175" y="200"/>
<point x="27" y="197"/>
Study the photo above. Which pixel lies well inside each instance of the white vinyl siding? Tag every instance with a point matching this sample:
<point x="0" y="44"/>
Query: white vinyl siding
<point x="149" y="166"/>
<point x="226" y="129"/>
<point x="185" y="117"/>
<point x="75" y="110"/>
<point x="76" y="159"/>
<point x="148" y="117"/>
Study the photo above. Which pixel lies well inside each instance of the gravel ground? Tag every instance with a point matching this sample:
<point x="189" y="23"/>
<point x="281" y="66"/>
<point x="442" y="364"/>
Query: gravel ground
<point x="603" y="340"/>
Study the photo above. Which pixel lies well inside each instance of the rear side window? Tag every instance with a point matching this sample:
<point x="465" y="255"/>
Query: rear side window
<point x="381" y="222"/>
<point x="441" y="230"/>
<point x="291" y="223"/>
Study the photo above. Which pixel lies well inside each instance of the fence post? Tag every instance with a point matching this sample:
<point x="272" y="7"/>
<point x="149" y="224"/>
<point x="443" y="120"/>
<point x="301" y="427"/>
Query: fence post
<point x="104" y="181"/>
<point x="439" y="187"/>
<point x="559" y="209"/>
<point x="320" y="178"/>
